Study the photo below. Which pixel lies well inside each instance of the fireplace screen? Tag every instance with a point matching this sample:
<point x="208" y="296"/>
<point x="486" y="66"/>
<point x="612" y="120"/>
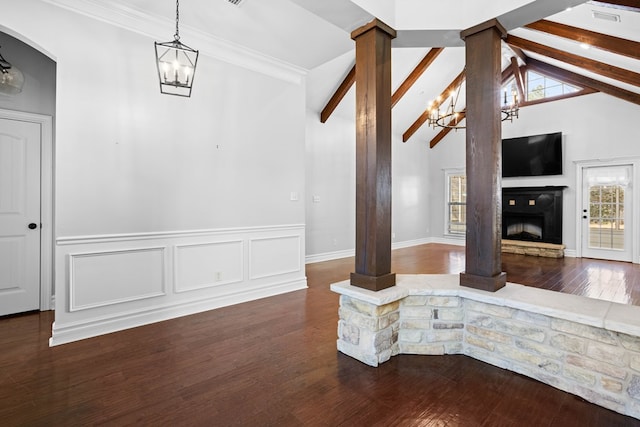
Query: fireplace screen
<point x="524" y="227"/>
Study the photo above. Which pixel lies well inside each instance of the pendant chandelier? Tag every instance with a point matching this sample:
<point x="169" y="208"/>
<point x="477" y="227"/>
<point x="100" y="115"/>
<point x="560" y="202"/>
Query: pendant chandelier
<point x="451" y="117"/>
<point x="11" y="78"/>
<point x="176" y="63"/>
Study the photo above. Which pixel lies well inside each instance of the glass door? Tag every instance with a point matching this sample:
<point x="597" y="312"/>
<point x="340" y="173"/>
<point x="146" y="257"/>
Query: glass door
<point x="606" y="214"/>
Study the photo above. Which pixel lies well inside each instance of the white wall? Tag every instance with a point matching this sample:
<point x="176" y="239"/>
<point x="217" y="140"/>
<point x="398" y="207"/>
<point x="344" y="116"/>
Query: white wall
<point x="147" y="172"/>
<point x="130" y="159"/>
<point x="330" y="163"/>
<point x="595" y="126"/>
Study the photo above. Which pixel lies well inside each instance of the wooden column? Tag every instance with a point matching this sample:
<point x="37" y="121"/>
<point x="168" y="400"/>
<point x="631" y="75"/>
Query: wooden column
<point x="483" y="269"/>
<point x="373" y="156"/>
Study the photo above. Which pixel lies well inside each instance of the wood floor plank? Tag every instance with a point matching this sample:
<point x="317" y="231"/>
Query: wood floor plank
<point x="273" y="362"/>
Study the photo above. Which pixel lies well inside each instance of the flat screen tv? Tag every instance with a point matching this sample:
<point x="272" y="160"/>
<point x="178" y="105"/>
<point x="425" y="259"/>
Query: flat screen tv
<point x="534" y="155"/>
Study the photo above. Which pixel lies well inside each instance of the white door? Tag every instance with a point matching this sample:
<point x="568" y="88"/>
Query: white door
<point x="19" y="216"/>
<point x="606" y="214"/>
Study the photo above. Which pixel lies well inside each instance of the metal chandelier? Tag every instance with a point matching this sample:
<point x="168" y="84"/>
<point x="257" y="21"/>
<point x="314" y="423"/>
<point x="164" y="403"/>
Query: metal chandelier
<point x="176" y="63"/>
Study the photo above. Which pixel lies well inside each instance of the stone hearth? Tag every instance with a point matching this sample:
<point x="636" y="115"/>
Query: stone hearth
<point x="546" y="250"/>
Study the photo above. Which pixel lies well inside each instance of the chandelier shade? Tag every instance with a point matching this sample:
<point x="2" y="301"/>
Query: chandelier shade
<point x="176" y="64"/>
<point x="11" y="78"/>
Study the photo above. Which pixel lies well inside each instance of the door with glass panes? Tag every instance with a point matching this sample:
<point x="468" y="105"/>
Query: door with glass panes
<point x="606" y="212"/>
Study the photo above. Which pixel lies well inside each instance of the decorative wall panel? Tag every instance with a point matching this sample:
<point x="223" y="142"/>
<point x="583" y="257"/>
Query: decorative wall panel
<point x="105" y="278"/>
<point x="110" y="283"/>
<point x="204" y="265"/>
<point x="273" y="256"/>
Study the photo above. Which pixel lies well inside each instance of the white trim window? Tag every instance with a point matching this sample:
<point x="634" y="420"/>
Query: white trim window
<point x="456" y="202"/>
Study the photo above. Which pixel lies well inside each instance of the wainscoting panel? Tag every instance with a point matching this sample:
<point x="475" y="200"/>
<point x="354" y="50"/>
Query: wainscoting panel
<point x="110" y="283"/>
<point x="204" y="265"/>
<point x="104" y="278"/>
<point x="274" y="256"/>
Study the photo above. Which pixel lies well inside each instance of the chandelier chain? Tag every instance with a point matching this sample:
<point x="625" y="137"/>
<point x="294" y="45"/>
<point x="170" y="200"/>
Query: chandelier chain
<point x="177" y="35"/>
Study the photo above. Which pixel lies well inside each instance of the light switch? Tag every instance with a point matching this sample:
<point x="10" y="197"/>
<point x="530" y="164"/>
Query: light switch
<point x="294" y="196"/>
<point x="316" y="199"/>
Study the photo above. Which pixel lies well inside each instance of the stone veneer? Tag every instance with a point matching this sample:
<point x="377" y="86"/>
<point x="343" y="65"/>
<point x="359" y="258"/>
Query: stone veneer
<point x="547" y="250"/>
<point x="587" y="347"/>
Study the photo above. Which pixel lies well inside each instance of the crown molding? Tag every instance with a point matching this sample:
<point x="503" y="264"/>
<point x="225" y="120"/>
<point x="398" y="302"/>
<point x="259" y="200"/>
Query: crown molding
<point x="155" y="27"/>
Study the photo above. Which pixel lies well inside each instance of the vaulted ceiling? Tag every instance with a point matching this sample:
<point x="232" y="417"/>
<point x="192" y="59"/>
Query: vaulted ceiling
<point x="428" y="54"/>
<point x="594" y="45"/>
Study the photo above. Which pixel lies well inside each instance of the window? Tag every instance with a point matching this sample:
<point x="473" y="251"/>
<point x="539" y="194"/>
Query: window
<point x="538" y="86"/>
<point x="456" y="205"/>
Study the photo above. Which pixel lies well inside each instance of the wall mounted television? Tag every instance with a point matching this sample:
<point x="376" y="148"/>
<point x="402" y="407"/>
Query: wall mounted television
<point x="535" y="155"/>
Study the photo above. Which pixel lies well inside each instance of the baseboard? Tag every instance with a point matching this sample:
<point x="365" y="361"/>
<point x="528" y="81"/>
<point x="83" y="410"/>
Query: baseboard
<point x="329" y="256"/>
<point x="456" y="241"/>
<point x="82" y="330"/>
<point x="410" y="243"/>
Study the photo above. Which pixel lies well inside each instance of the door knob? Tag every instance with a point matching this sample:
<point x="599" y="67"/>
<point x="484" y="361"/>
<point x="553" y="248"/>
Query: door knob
<point x="33" y="226"/>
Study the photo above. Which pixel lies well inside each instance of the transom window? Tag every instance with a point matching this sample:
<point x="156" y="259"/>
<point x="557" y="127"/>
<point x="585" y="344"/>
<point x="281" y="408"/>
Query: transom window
<point x="538" y="86"/>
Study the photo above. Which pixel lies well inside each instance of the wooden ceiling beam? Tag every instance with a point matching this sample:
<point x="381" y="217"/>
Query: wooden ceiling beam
<point x="436" y="103"/>
<point x="583" y="81"/>
<point x="350" y="79"/>
<point x="415" y="74"/>
<point x="342" y="90"/>
<point x="597" y="67"/>
<point x="606" y="42"/>
<point x="518" y="76"/>
<point x="519" y="53"/>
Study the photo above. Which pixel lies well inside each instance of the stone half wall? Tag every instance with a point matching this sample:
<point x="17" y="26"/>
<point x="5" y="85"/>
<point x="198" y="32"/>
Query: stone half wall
<point x="586" y="347"/>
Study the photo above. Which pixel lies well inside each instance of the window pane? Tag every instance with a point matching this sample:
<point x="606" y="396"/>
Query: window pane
<point x="456" y="200"/>
<point x="555" y="90"/>
<point x="540" y="87"/>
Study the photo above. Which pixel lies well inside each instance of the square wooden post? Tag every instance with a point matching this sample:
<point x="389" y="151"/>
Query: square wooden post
<point x="483" y="268"/>
<point x="373" y="156"/>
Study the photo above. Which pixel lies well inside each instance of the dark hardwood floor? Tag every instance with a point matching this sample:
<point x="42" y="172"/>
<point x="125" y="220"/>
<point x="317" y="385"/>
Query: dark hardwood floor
<point x="273" y="362"/>
<point x="606" y="280"/>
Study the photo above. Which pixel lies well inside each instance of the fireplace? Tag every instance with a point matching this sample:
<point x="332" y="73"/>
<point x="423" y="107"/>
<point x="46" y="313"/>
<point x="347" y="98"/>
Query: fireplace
<point x="524" y="227"/>
<point x="532" y="214"/>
